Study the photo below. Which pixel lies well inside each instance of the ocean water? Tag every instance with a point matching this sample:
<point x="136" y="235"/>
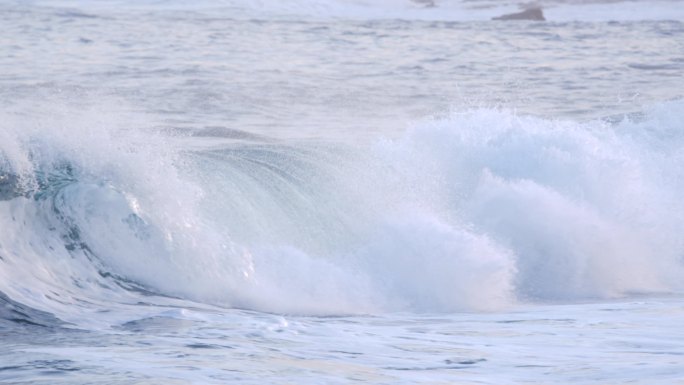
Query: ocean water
<point x="341" y="191"/>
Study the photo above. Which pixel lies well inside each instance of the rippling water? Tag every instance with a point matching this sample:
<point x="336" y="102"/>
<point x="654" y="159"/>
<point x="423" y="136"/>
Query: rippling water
<point x="341" y="191"/>
<point x="309" y="75"/>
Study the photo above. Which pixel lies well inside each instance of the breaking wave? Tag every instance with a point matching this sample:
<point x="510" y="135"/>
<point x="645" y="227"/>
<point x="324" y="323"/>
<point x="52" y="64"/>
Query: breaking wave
<point x="477" y="211"/>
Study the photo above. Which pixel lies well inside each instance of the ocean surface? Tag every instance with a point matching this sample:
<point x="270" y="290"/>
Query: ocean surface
<point x="341" y="191"/>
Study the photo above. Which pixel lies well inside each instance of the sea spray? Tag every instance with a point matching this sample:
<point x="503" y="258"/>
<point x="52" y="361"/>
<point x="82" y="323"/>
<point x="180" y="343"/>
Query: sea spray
<point x="476" y="211"/>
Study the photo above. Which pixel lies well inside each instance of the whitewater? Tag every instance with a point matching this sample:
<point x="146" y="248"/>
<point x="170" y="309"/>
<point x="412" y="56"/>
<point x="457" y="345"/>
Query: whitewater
<point x="387" y="192"/>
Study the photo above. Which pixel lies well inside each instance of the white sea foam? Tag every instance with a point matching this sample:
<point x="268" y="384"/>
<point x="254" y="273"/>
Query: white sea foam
<point x="587" y="210"/>
<point x="476" y="211"/>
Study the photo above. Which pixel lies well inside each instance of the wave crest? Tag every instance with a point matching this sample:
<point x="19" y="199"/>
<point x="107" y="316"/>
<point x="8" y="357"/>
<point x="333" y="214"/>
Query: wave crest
<point x="474" y="212"/>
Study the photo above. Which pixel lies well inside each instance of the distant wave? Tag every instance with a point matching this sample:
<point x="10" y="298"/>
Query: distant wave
<point x="429" y="10"/>
<point x="477" y="211"/>
<point x="460" y="10"/>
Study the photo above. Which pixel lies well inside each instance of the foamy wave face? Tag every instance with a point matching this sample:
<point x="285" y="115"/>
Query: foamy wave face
<point x="99" y="212"/>
<point x="470" y="212"/>
<point x="589" y="210"/>
<point x="474" y="212"/>
<point x="424" y="264"/>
